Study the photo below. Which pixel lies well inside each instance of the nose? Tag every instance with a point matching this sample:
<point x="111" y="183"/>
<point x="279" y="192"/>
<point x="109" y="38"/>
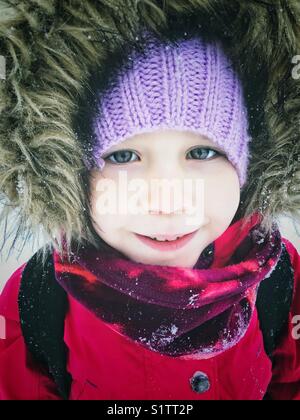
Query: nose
<point x="166" y="202"/>
<point x="166" y="187"/>
<point x="160" y="211"/>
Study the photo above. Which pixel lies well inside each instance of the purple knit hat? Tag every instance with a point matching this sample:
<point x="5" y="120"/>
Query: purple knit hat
<point x="187" y="85"/>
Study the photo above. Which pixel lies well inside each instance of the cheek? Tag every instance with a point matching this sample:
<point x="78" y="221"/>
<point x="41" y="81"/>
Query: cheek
<point x="107" y="216"/>
<point x="222" y="194"/>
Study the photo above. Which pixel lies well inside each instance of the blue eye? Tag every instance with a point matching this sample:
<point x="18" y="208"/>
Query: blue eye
<point x="202" y="153"/>
<point x="121" y="157"/>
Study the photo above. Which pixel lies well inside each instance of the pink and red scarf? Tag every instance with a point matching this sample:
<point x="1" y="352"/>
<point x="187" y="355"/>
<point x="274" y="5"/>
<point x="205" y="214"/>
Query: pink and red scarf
<point x="180" y="312"/>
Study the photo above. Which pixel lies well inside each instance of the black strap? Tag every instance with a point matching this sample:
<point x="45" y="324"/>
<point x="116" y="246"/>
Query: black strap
<point x="42" y="306"/>
<point x="274" y="300"/>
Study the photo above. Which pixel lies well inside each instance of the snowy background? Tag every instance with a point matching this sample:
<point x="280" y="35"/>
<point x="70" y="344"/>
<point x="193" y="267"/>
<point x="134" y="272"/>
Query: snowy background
<point x="9" y="262"/>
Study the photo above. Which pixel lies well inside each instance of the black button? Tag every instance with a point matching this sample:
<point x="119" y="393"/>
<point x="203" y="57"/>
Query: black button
<point x="200" y="382"/>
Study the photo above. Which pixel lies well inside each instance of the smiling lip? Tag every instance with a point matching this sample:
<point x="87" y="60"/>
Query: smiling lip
<point x="166" y="245"/>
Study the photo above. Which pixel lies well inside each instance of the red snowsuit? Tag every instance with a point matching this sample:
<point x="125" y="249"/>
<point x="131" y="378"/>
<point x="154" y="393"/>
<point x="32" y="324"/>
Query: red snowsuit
<point x="105" y="365"/>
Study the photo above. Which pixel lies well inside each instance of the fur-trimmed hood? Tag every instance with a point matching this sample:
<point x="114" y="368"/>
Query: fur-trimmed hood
<point x="53" y="47"/>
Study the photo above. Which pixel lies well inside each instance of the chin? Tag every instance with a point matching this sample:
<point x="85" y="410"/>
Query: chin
<point x="171" y="262"/>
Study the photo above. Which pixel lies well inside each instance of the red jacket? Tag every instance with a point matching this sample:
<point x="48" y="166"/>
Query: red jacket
<point x="105" y="365"/>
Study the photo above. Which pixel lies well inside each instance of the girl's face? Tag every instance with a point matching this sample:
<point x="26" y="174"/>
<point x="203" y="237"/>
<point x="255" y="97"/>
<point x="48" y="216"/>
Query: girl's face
<point x="164" y="183"/>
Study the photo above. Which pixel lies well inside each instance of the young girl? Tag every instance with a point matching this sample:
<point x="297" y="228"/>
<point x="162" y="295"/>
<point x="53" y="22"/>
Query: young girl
<point x="165" y="299"/>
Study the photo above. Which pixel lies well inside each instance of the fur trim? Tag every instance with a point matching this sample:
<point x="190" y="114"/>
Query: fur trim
<point x="53" y="47"/>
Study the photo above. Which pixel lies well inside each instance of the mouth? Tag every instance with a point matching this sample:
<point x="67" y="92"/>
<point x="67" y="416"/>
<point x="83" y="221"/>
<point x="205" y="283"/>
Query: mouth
<point x="166" y="242"/>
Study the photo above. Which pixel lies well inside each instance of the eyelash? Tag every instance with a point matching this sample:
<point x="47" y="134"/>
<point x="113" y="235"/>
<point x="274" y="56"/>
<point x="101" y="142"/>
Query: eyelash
<point x="132" y="152"/>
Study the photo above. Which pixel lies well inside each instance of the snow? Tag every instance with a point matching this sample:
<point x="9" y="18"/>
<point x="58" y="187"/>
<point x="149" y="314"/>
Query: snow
<point x="163" y="336"/>
<point x="193" y="299"/>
